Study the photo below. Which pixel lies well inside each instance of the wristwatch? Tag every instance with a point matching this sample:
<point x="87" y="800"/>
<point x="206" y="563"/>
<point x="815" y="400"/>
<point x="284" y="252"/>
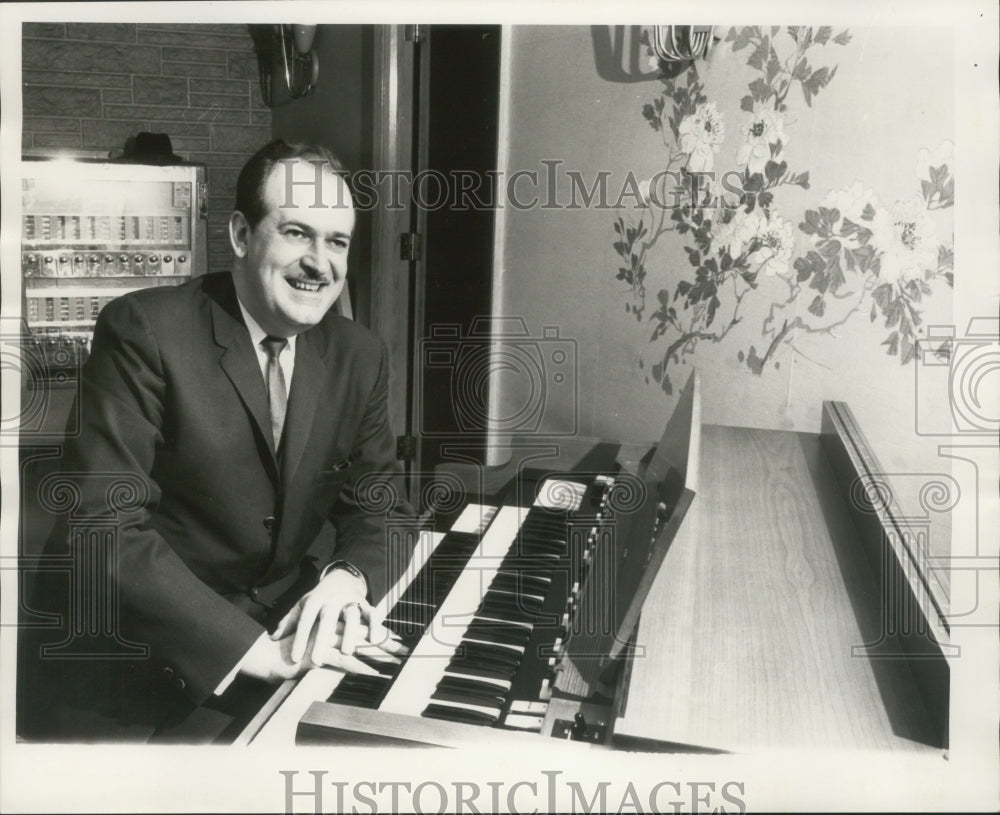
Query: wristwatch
<point x="347" y="567"/>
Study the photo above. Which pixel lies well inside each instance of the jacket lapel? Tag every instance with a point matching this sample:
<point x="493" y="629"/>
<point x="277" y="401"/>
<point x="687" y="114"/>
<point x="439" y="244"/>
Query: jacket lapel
<point x="307" y="382"/>
<point x="239" y="362"/>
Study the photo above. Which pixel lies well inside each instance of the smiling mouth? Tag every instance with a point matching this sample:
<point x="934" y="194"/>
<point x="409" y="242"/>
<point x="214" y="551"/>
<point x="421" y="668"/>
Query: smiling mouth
<point x="304" y="285"/>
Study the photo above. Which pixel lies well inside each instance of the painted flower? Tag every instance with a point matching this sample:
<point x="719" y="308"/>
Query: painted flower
<point x="700" y="135"/>
<point x="851" y="202"/>
<point x="765" y="127"/>
<point x="774" y="247"/>
<point x="734" y="236"/>
<point x="906" y="238"/>
<point x="944" y="154"/>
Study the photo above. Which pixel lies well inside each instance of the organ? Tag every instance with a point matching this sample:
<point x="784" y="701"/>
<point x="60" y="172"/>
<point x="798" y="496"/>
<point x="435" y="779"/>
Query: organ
<point x="723" y="590"/>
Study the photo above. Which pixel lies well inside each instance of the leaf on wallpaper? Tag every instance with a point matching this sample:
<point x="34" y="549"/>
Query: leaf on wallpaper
<point x="773" y="67"/>
<point x="760" y="89"/>
<point x="907" y="350"/>
<point x="773" y="171"/>
<point x="754" y="362"/>
<point x="739" y="40"/>
<point x="799" y="179"/>
<point x="650" y="115"/>
<point x="946" y="257"/>
<point x="812" y="84"/>
<point x="818" y="306"/>
<point x="760" y="54"/>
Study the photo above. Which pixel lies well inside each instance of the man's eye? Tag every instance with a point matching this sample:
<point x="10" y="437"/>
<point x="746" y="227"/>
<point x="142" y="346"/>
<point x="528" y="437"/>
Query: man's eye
<point x="339" y="243"/>
<point x="295" y="234"/>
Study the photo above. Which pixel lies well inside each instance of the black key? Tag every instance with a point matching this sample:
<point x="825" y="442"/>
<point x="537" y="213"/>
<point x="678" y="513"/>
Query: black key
<point x="360" y="691"/>
<point x="408" y="630"/>
<point x="540" y="576"/>
<point x="530" y="599"/>
<point x="531" y="578"/>
<point x="485" y="659"/>
<point x="510" y="606"/>
<point x="487" y="671"/>
<point x="535" y="563"/>
<point x="421" y="615"/>
<point x="516" y="585"/>
<point x="384" y="667"/>
<point x="543" y="530"/>
<point x="454" y="714"/>
<point x="497" y="632"/>
<point x="472" y="686"/>
<point x="468" y="698"/>
<point x="530" y="545"/>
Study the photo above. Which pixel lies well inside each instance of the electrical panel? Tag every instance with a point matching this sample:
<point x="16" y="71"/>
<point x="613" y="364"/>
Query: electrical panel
<point x="92" y="231"/>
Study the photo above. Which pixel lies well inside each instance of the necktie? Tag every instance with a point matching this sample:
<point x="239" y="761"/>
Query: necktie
<point x="277" y="393"/>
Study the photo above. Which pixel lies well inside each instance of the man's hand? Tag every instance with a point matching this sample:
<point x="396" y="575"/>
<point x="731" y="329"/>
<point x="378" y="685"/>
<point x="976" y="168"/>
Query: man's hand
<point x="271" y="660"/>
<point x="332" y="623"/>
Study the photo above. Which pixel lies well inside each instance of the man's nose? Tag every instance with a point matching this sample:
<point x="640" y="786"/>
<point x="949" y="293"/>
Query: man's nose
<point x="318" y="260"/>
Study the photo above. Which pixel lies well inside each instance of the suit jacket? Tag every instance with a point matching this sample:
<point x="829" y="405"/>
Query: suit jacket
<point x="173" y="398"/>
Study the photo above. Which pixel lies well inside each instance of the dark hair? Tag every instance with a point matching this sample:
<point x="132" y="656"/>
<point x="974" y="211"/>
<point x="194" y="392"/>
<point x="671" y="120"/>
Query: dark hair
<point x="250" y="184"/>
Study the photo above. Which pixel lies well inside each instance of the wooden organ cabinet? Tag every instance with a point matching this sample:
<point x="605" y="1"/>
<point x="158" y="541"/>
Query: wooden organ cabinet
<point x="723" y="590"/>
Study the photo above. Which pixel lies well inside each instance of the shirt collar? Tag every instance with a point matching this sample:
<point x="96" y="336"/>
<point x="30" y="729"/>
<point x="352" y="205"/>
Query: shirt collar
<point x="257" y="334"/>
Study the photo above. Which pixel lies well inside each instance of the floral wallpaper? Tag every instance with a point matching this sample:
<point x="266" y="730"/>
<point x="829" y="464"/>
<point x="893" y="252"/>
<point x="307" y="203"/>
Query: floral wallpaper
<point x="848" y="256"/>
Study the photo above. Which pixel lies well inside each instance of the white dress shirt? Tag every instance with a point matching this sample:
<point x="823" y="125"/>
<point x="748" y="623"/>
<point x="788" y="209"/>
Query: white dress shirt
<point x="286" y="359"/>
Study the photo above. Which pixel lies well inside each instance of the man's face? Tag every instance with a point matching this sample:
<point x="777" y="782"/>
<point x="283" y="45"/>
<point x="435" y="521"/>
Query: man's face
<point x="295" y="260"/>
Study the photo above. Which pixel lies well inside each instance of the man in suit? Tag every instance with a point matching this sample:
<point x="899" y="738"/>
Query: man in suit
<point x="239" y="413"/>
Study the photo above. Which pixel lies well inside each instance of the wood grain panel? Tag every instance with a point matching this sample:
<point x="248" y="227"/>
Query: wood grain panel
<point x="750" y="625"/>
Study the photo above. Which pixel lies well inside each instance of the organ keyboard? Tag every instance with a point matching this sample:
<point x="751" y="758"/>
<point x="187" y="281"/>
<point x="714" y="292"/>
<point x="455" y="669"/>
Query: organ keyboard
<point x="522" y="618"/>
<point x="483" y="611"/>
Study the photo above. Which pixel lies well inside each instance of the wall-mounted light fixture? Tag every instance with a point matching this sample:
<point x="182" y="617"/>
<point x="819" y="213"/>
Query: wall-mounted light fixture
<point x="286" y="51"/>
<point x="681" y="43"/>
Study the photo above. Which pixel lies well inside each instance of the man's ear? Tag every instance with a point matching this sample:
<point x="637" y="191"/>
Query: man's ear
<point x="239" y="233"/>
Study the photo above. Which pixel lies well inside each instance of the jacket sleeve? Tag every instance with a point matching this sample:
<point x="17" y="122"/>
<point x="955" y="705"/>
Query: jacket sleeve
<point x="189" y="628"/>
<point x="373" y="493"/>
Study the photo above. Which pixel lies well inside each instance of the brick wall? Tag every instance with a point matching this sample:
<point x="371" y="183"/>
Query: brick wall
<point x="89" y="86"/>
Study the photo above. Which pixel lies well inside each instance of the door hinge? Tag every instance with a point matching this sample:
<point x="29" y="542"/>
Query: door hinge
<point x="411" y="246"/>
<point x="414" y="33"/>
<point x="406" y="448"/>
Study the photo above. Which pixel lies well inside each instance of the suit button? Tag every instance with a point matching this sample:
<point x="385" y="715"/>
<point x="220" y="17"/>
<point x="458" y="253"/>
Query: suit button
<point x="254" y="591"/>
<point x="269" y="522"/>
<point x="180" y="683"/>
<point x="168" y="671"/>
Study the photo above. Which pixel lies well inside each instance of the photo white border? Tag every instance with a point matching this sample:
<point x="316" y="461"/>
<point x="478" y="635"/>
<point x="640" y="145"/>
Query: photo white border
<point x="36" y="778"/>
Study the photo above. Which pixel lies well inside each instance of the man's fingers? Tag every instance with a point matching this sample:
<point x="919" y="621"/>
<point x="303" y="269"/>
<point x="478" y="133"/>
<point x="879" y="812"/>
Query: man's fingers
<point x="378" y="633"/>
<point x="336" y="659"/>
<point x="327" y="631"/>
<point x="307" y="619"/>
<point x="376" y="653"/>
<point x="354" y="630"/>
<point x="383" y="638"/>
